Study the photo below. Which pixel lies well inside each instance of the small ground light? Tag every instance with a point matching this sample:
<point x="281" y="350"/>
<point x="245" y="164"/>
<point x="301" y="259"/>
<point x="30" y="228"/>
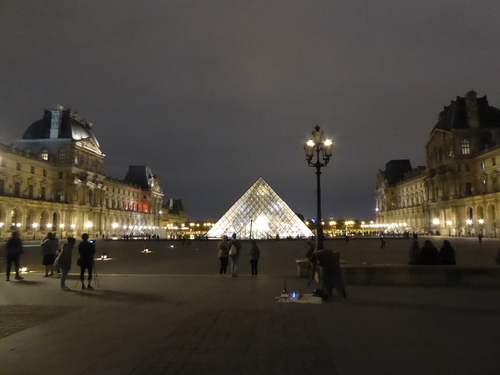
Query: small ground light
<point x="104" y="256"/>
<point x="172" y="246"/>
<point x="146" y="250"/>
<point x="23" y="269"/>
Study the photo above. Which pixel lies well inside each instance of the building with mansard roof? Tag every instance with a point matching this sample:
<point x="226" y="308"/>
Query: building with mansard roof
<point x="458" y="191"/>
<point x="52" y="180"/>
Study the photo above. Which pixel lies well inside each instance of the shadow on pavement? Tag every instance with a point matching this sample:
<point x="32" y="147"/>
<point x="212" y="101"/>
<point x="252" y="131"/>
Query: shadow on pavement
<point x="118" y="296"/>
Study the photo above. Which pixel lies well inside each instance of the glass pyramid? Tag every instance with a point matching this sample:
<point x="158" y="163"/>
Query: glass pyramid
<point x="260" y="214"/>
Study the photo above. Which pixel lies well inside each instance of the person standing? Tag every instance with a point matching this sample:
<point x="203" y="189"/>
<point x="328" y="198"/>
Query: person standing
<point x="50" y="247"/>
<point x="65" y="260"/>
<point x="254" y="254"/>
<point x="223" y="254"/>
<point x="480" y="237"/>
<point x="86" y="261"/>
<point x="415" y="256"/>
<point x="14" y="249"/>
<point x="234" y="255"/>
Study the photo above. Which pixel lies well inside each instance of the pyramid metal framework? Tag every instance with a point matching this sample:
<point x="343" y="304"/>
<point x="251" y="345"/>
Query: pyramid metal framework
<point x="260" y="213"/>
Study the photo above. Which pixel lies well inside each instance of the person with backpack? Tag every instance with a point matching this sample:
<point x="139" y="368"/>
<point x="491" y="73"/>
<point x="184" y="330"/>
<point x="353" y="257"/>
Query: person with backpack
<point x="234" y="254"/>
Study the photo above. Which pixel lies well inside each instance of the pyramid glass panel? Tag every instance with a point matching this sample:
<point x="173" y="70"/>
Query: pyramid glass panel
<point x="260" y="214"/>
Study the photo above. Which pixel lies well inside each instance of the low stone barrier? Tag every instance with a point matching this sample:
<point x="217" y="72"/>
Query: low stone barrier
<point x="406" y="275"/>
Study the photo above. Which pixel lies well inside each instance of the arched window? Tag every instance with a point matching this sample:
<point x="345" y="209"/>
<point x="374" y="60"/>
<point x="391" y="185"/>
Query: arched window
<point x="465" y="147"/>
<point x="45" y="154"/>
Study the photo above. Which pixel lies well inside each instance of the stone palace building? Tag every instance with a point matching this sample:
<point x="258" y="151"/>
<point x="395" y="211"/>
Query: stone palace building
<point x="52" y="180"/>
<point x="458" y="191"/>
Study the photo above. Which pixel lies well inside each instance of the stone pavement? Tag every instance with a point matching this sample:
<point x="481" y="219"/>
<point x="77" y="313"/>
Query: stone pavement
<point x="169" y="312"/>
<point x="212" y="324"/>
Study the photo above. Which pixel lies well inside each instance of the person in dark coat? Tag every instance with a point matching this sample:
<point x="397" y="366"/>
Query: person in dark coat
<point x="14" y="249"/>
<point x="429" y="253"/>
<point x="415" y="254"/>
<point x="254" y="255"/>
<point x="330" y="273"/>
<point x="86" y="261"/>
<point x="65" y="261"/>
<point x="223" y="254"/>
<point x="447" y="254"/>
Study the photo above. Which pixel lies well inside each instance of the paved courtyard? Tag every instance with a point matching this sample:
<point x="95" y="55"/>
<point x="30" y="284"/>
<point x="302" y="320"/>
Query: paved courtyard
<point x="169" y="312"/>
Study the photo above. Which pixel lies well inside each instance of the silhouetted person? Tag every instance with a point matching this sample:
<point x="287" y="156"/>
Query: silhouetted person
<point x="86" y="261"/>
<point x="14" y="250"/>
<point x="254" y="255"/>
<point x="330" y="272"/>
<point x="310" y="249"/>
<point x="382" y="241"/>
<point x="447" y="254"/>
<point x="429" y="253"/>
<point x="65" y="261"/>
<point x="50" y="247"/>
<point x="415" y="254"/>
<point x="223" y="254"/>
<point x="480" y="237"/>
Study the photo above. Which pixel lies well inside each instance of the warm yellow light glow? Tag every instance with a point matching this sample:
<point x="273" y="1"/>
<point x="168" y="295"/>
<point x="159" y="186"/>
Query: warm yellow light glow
<point x="332" y="223"/>
<point x="115" y="225"/>
<point x="349" y="222"/>
<point x="88" y="224"/>
<point x="34" y="225"/>
<point x="328" y="142"/>
<point x="480" y="221"/>
<point x="310" y="143"/>
<point x="1" y="225"/>
<point x="469" y="222"/>
<point x="49" y="226"/>
<point x="73" y="226"/>
<point x="435" y="221"/>
<point x="448" y="222"/>
<point x="61" y="226"/>
<point x="18" y="225"/>
<point x="192" y="224"/>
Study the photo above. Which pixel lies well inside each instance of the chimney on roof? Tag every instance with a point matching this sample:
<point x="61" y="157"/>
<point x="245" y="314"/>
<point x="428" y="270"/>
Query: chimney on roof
<point x="55" y="125"/>
<point x="471" y="107"/>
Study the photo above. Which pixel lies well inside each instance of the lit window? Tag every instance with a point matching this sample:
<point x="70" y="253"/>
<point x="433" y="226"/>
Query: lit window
<point x="45" y="154"/>
<point x="483" y="165"/>
<point x="465" y="147"/>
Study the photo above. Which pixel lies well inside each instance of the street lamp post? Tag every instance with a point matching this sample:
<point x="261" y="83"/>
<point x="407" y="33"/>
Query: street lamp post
<point x="448" y="222"/>
<point x="316" y="145"/>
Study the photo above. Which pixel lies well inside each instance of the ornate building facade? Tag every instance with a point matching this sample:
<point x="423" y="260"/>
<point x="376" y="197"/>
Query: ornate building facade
<point x="52" y="180"/>
<point x="458" y="191"/>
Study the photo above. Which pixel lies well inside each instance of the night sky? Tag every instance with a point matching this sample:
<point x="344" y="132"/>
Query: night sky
<point x="213" y="94"/>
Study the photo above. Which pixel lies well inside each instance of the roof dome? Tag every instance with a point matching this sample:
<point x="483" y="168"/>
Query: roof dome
<point x="70" y="127"/>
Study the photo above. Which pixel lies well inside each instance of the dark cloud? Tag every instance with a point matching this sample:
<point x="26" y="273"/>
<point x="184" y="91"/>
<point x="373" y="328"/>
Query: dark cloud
<point x="214" y="94"/>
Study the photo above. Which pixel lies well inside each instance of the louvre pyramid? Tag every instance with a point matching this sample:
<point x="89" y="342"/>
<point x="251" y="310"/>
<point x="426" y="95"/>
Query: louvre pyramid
<point x="260" y="214"/>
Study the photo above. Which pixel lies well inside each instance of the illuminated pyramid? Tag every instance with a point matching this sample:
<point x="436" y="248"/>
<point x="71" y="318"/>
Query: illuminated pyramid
<point x="260" y="214"/>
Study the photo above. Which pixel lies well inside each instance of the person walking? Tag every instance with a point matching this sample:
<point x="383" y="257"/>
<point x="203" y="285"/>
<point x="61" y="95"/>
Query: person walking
<point x="50" y="247"/>
<point x="223" y="254"/>
<point x="65" y="260"/>
<point x="447" y="254"/>
<point x="234" y="255"/>
<point x="254" y="255"/>
<point x="480" y="237"/>
<point x="382" y="241"/>
<point x="86" y="261"/>
<point x="14" y="250"/>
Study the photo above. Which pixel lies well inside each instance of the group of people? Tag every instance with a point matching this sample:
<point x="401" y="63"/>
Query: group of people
<point x="54" y="255"/>
<point x="229" y="252"/>
<point x="429" y="254"/>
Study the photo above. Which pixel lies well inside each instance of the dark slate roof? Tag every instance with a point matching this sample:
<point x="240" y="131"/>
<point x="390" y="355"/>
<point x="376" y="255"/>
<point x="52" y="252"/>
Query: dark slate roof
<point x="70" y="128"/>
<point x="395" y="170"/>
<point x="175" y="206"/>
<point x="138" y="175"/>
<point x="454" y="116"/>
